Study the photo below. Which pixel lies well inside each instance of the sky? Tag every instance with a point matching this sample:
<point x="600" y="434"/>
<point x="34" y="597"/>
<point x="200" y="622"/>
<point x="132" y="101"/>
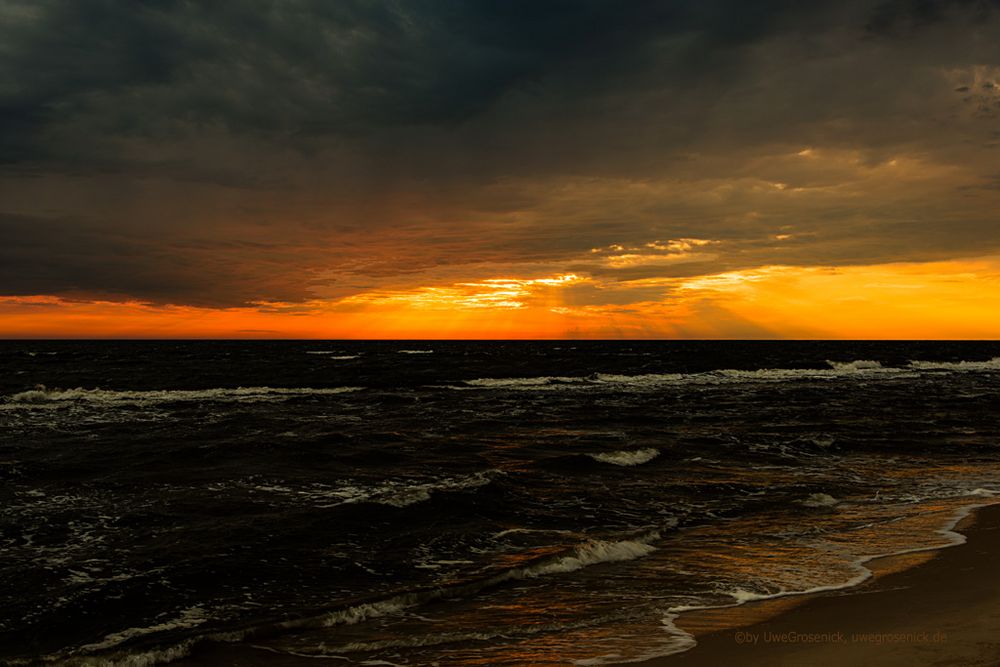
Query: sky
<point x="516" y="169"/>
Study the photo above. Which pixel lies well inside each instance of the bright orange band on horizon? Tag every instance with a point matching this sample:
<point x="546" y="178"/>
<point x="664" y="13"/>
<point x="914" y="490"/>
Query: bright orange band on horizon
<point x="938" y="300"/>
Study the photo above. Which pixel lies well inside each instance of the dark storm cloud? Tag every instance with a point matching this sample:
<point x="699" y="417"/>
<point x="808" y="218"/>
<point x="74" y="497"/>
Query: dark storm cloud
<point x="309" y="67"/>
<point x="88" y="259"/>
<point x="896" y="16"/>
<point x="220" y="153"/>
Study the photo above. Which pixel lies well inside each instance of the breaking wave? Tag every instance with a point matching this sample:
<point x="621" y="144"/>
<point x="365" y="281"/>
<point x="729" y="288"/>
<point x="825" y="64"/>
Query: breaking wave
<point x="334" y="355"/>
<point x="627" y="457"/>
<point x="860" y="368"/>
<point x="990" y="365"/>
<point x="393" y="493"/>
<point x="189" y="618"/>
<point x="819" y="500"/>
<point x="592" y="552"/>
<point x="44" y="396"/>
<point x="858" y="365"/>
<point x="515" y="383"/>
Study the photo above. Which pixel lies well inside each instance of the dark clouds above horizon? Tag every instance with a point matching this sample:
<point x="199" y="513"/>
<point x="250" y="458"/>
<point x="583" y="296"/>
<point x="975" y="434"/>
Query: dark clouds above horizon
<point x="230" y="152"/>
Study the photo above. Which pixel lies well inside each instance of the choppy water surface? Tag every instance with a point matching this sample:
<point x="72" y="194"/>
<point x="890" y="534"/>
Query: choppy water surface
<point x="462" y="503"/>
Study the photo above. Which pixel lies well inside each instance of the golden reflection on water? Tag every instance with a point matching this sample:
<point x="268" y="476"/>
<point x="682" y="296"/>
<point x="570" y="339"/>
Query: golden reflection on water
<point x="923" y="527"/>
<point x="618" y="610"/>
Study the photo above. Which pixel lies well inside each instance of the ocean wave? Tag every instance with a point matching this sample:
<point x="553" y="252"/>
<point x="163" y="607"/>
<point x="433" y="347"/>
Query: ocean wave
<point x="513" y="383"/>
<point x="861" y="574"/>
<point x="819" y="500"/>
<point x="415" y="351"/>
<point x="188" y="618"/>
<point x="675" y="641"/>
<point x="627" y="457"/>
<point x="404" y="494"/>
<point x="144" y="659"/>
<point x="646" y="379"/>
<point x="394" y="493"/>
<point x="334" y="355"/>
<point x="857" y="365"/>
<point x="989" y="365"/>
<point x="112" y="650"/>
<point x="42" y="396"/>
<point x="592" y="552"/>
<point x="860" y="368"/>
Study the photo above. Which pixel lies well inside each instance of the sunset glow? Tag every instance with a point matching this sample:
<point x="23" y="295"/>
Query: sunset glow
<point x="830" y="172"/>
<point x="953" y="299"/>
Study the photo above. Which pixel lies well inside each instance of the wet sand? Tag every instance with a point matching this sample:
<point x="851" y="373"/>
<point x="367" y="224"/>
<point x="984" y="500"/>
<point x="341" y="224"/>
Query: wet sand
<point x="937" y="608"/>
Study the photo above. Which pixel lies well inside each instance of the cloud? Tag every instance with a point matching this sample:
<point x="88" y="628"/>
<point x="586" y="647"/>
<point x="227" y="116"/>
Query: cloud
<point x="229" y="153"/>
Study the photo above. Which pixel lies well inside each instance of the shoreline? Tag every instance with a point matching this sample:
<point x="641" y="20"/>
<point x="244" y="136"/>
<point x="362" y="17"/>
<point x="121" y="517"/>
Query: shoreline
<point x="929" y="605"/>
<point x="936" y="606"/>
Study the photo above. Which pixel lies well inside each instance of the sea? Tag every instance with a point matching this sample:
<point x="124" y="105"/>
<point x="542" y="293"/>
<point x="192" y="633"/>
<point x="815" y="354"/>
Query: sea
<point x="460" y="503"/>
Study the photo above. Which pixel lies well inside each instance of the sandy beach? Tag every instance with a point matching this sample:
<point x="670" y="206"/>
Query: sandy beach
<point x="930" y="608"/>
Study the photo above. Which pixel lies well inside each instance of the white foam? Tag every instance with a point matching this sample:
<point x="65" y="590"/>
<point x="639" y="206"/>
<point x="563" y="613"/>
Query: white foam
<point x="188" y="618"/>
<point x="364" y="612"/>
<point x="627" y="457"/>
<point x="405" y="494"/>
<point x="593" y="552"/>
<point x="334" y="355"/>
<point x="853" y="366"/>
<point x="395" y="493"/>
<point x="43" y="396"/>
<point x="606" y="659"/>
<point x="415" y="351"/>
<point x="741" y="596"/>
<point x="676" y="641"/>
<point x="145" y="659"/>
<point x="411" y="641"/>
<point x="514" y="383"/>
<point x="819" y="500"/>
<point x="514" y="531"/>
<point x="647" y="379"/>
<point x="989" y="365"/>
<point x="724" y="376"/>
<point x="838" y="370"/>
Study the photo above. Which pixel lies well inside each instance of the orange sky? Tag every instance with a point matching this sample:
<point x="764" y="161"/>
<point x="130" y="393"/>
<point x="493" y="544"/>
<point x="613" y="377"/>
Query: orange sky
<point x="500" y="170"/>
<point x="950" y="299"/>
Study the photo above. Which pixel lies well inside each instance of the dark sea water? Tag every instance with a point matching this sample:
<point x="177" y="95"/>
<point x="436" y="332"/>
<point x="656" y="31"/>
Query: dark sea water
<point x="462" y="503"/>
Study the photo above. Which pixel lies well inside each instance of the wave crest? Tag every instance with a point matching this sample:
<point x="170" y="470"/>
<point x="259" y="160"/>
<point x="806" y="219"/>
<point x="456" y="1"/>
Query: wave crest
<point x="42" y="395"/>
<point x="864" y="368"/>
<point x="627" y="457"/>
<point x="989" y="365"/>
<point x="857" y="365"/>
<point x="592" y="552"/>
<point x="394" y="493"/>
